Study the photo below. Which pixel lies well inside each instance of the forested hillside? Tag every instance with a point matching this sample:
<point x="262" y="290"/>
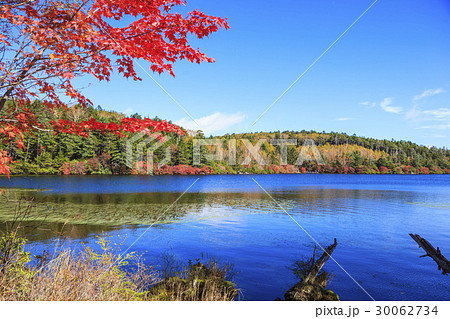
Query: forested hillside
<point x="105" y="153"/>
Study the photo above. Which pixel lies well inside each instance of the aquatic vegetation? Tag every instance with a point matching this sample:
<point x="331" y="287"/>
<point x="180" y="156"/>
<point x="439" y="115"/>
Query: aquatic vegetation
<point x="113" y="210"/>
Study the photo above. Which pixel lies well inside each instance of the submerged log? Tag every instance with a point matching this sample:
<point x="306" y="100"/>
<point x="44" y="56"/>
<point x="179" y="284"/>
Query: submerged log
<point x="313" y="286"/>
<point x="435" y="254"/>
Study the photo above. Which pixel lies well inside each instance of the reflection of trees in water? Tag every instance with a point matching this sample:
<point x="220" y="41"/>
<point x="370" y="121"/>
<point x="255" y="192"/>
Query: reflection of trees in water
<point x="96" y="213"/>
<point x="44" y="231"/>
<point x="85" y="214"/>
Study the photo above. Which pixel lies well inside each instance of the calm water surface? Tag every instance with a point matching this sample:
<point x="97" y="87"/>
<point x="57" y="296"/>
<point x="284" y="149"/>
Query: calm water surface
<point x="233" y="218"/>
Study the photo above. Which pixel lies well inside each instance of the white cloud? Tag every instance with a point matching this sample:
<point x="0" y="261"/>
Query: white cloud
<point x="442" y="114"/>
<point x="436" y="127"/>
<point x="437" y="119"/>
<point x="367" y="103"/>
<point x="386" y="105"/>
<point x="212" y="123"/>
<point x="344" y="119"/>
<point x="431" y="119"/>
<point x="427" y="93"/>
<point x="413" y="114"/>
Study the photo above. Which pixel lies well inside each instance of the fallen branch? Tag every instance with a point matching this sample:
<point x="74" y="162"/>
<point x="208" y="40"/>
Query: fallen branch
<point x="313" y="285"/>
<point x="435" y="254"/>
<point x="317" y="266"/>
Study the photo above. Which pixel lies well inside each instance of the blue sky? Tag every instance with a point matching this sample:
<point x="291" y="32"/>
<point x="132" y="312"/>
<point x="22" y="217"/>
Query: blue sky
<point x="387" y="77"/>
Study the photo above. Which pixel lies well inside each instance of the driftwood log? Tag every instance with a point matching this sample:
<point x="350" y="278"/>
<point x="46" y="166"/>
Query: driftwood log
<point x="435" y="254"/>
<point x="318" y="265"/>
<point x="313" y="286"/>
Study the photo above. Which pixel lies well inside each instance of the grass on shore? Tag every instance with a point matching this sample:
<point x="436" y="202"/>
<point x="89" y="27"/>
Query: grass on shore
<point x="95" y="276"/>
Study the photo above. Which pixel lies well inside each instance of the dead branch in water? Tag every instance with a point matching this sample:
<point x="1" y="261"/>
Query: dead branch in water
<point x="435" y="254"/>
<point x="317" y="266"/>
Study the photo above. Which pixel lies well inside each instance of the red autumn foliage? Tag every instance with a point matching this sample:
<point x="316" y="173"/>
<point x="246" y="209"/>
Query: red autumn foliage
<point x="66" y="168"/>
<point x="423" y="170"/>
<point x="64" y="39"/>
<point x="4" y="163"/>
<point x="436" y="170"/>
<point x="164" y="170"/>
<point x="132" y="125"/>
<point x="189" y="170"/>
<point x="397" y="170"/>
<point x="406" y="169"/>
<point x="183" y="170"/>
<point x="47" y="44"/>
<point x="79" y="168"/>
<point x="276" y="169"/>
<point x="384" y="170"/>
<point x="140" y="168"/>
<point x="93" y="164"/>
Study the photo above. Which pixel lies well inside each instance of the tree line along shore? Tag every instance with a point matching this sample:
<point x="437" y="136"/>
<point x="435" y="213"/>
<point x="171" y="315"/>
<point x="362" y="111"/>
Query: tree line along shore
<point x="46" y="153"/>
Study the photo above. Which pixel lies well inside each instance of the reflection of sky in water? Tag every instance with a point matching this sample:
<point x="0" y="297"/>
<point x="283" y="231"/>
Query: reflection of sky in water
<point x="230" y="217"/>
<point x="224" y="183"/>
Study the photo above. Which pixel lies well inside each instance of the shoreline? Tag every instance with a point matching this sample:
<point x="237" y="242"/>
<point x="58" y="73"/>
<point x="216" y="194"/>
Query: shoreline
<point x="224" y="174"/>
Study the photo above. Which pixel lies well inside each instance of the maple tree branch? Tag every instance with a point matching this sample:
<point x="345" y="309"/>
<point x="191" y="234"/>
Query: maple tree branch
<point x="16" y="57"/>
<point x="138" y="35"/>
<point x="78" y="10"/>
<point x="18" y="4"/>
<point x="13" y="85"/>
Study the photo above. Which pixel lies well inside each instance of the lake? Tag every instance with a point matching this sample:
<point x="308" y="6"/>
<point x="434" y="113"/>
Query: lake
<point x="232" y="217"/>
